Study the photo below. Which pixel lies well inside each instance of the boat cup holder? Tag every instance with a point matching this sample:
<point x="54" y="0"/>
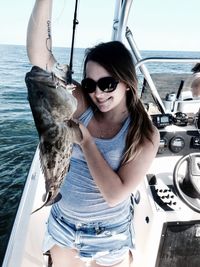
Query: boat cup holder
<point x="187" y="183"/>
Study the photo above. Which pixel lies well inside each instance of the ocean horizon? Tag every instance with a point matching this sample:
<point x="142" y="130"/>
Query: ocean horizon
<point x="154" y="50"/>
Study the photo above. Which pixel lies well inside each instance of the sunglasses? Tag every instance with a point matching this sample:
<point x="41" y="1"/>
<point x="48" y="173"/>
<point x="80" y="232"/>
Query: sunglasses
<point x="106" y="84"/>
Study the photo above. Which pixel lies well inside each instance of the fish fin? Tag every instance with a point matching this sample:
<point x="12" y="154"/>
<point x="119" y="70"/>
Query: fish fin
<point x="54" y="200"/>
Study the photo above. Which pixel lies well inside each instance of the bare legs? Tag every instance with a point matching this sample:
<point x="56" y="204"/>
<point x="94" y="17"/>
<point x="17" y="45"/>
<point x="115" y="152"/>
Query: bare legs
<point x="64" y="257"/>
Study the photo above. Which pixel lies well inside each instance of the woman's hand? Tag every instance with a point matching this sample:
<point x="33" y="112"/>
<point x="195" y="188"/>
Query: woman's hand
<point x="80" y="134"/>
<point x="86" y="136"/>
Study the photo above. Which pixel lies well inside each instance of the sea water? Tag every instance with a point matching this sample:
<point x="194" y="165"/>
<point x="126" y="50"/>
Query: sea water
<point x="18" y="136"/>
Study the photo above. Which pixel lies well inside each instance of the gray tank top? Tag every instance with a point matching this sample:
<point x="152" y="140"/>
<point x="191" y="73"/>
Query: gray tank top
<point x="81" y="198"/>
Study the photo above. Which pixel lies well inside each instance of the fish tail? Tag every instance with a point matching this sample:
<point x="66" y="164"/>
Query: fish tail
<point x="39" y="208"/>
<point x="49" y="201"/>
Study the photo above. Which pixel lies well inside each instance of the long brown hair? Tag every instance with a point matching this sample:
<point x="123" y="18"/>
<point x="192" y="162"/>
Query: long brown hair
<point x="117" y="60"/>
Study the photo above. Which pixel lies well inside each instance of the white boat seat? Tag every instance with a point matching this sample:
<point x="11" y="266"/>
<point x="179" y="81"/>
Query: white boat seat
<point x="188" y="106"/>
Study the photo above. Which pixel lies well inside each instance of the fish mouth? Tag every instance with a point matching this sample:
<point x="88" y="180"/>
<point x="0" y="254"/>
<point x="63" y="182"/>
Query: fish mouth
<point x="39" y="76"/>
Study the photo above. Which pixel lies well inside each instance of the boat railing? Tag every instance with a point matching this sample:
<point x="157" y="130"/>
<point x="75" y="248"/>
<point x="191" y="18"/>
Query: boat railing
<point x="166" y="60"/>
<point x="180" y="104"/>
<point x="140" y="64"/>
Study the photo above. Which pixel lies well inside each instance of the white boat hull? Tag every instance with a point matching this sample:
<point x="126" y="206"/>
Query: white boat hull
<point x="149" y="218"/>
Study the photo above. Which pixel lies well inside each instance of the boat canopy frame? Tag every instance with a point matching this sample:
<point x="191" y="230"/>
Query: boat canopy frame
<point x="121" y="30"/>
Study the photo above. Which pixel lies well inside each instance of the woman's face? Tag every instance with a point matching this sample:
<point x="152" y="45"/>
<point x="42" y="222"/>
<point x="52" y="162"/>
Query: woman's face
<point x="105" y="101"/>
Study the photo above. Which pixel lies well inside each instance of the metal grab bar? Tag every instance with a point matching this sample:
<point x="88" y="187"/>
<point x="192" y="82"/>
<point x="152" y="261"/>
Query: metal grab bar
<point x="145" y="71"/>
<point x="166" y="60"/>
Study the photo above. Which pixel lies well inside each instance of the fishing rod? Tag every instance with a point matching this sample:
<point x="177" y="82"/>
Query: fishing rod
<point x="70" y="69"/>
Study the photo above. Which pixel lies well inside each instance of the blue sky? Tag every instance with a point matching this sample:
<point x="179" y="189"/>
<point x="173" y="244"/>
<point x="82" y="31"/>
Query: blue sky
<point x="156" y="24"/>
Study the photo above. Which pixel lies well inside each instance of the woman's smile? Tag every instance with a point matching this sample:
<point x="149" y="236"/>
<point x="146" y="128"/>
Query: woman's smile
<point x="103" y="103"/>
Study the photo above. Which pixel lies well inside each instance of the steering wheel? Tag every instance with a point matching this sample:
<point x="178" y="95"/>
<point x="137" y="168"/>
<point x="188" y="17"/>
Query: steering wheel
<point x="187" y="185"/>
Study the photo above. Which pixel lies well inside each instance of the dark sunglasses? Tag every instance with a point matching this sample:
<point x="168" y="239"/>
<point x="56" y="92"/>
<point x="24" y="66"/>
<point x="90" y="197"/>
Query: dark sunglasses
<point x="106" y="84"/>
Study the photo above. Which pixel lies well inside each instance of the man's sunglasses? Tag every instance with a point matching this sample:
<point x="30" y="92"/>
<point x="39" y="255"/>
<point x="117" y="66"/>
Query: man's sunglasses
<point x="106" y="84"/>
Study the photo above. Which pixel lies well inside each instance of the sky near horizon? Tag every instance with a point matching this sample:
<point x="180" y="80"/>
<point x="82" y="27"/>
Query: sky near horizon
<point x="156" y="24"/>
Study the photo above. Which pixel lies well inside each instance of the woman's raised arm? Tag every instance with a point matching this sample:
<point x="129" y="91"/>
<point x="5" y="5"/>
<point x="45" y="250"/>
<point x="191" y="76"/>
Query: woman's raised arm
<point x="39" y="41"/>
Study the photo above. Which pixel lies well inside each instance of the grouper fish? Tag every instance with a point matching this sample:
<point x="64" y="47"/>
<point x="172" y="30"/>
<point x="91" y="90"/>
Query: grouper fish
<point x="52" y="105"/>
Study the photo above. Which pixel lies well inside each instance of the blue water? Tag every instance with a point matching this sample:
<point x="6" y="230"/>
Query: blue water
<point x="18" y="137"/>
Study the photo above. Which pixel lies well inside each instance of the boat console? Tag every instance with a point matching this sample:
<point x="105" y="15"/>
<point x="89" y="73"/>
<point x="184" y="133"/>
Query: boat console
<point x="167" y="202"/>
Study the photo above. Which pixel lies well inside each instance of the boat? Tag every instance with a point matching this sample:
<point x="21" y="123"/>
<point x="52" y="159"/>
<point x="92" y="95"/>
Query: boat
<point x="167" y="202"/>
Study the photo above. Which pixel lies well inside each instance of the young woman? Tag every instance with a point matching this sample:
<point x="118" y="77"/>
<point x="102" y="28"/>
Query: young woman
<point x="92" y="224"/>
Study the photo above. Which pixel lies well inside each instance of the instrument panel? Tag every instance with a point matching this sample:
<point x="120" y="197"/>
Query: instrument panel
<point x="179" y="135"/>
<point x="179" y="142"/>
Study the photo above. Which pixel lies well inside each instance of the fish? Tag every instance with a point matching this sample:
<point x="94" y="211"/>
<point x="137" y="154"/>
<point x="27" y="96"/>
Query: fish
<point x="53" y="105"/>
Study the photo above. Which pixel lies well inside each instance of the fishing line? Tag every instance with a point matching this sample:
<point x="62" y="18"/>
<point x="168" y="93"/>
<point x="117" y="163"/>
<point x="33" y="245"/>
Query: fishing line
<point x="61" y="12"/>
<point x="70" y="69"/>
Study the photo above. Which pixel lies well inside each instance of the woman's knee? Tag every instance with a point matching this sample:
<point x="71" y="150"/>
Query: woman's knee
<point x="65" y="257"/>
<point x="125" y="262"/>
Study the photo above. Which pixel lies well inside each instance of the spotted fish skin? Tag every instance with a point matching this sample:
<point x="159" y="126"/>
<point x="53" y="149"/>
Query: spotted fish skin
<point x="52" y="105"/>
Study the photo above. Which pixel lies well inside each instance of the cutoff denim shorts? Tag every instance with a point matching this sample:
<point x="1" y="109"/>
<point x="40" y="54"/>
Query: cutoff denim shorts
<point x="104" y="242"/>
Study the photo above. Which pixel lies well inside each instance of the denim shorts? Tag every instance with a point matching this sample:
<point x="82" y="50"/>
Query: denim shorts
<point x="107" y="243"/>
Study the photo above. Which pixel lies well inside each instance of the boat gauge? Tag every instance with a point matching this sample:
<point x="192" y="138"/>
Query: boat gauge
<point x="176" y="144"/>
<point x="162" y="120"/>
<point x="162" y="146"/>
